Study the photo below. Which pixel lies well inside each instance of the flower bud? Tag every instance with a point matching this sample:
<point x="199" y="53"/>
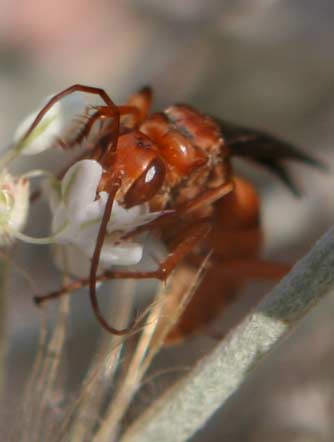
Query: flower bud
<point x="58" y="122"/>
<point x="14" y="205"/>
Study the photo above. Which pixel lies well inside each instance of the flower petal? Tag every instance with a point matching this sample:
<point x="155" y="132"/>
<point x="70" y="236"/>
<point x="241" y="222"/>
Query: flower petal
<point x="78" y="187"/>
<point x="51" y="190"/>
<point x="59" y="220"/>
<point x="69" y="258"/>
<point x="121" y="254"/>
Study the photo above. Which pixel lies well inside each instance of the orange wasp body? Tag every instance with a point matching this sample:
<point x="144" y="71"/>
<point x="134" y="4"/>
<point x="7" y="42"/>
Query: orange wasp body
<point x="179" y="162"/>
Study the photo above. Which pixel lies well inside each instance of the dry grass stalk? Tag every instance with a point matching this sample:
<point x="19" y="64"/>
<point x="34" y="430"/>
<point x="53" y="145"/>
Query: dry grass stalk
<point x="44" y="381"/>
<point x="3" y="316"/>
<point x="89" y="410"/>
<point x="76" y="422"/>
<point x="149" y="344"/>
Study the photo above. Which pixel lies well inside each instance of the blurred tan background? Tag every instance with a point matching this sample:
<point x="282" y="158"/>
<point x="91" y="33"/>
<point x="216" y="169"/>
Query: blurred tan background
<point x="262" y="63"/>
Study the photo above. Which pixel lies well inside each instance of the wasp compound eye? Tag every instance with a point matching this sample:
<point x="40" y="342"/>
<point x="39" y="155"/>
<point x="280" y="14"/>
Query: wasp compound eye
<point x="147" y="185"/>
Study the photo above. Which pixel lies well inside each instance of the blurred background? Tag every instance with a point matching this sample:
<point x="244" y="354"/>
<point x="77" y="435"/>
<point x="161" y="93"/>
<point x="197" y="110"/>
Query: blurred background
<point x="263" y="63"/>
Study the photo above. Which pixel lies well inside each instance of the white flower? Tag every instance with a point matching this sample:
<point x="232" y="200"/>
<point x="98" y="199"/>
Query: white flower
<point x="14" y="205"/>
<point x="77" y="213"/>
<point x="57" y="122"/>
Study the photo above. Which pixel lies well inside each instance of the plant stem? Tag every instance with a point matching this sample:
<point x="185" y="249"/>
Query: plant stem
<point x="186" y="407"/>
<point x="8" y="157"/>
<point x="3" y="318"/>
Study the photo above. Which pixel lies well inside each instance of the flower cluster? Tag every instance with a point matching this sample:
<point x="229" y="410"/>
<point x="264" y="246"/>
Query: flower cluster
<point x="76" y="205"/>
<point x="78" y="208"/>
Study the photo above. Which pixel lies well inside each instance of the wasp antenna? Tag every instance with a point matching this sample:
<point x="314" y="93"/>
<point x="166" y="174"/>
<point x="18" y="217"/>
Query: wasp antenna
<point x="95" y="263"/>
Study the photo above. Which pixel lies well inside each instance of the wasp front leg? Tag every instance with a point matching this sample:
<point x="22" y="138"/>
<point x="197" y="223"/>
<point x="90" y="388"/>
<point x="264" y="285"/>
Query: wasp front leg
<point x="193" y="235"/>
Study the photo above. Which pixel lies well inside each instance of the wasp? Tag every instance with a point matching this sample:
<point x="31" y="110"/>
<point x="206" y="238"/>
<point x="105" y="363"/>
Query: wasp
<point x="180" y="162"/>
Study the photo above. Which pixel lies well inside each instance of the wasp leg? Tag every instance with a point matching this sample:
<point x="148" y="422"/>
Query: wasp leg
<point x="254" y="269"/>
<point x="105" y="112"/>
<point x="206" y="198"/>
<point x="194" y="235"/>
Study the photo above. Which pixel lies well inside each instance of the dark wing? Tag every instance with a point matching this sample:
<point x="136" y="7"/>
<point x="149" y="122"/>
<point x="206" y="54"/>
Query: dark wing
<point x="266" y="150"/>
